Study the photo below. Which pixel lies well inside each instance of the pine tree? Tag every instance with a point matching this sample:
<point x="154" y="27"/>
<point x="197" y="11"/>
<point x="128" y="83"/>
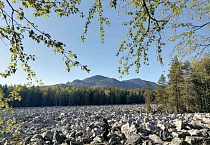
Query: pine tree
<point x="176" y="84"/>
<point x="187" y="91"/>
<point x="148" y="97"/>
<point x="161" y="96"/>
<point x="201" y="80"/>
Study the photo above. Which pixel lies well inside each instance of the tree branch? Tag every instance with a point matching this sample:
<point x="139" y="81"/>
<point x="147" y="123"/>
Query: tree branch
<point x="157" y="21"/>
<point x="201" y="26"/>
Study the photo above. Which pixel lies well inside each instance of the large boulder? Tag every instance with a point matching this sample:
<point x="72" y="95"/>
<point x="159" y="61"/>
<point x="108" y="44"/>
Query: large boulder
<point x="152" y="127"/>
<point x="194" y="140"/>
<point x="206" y="142"/>
<point x="97" y="139"/>
<point x="133" y="140"/>
<point x="37" y="139"/>
<point x="178" y="123"/>
<point x="178" y="141"/>
<point x="155" y="138"/>
<point x="128" y="129"/>
<point x="48" y="135"/>
<point x="165" y="135"/>
<point x="114" y="141"/>
<point x="57" y="138"/>
<point x="193" y="132"/>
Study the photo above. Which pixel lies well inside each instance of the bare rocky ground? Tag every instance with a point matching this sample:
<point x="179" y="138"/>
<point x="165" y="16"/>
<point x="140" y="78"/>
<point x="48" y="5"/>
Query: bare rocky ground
<point x="82" y="125"/>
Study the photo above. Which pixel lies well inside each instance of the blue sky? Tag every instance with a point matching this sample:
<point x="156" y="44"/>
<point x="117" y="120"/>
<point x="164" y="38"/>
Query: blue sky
<point x="100" y="58"/>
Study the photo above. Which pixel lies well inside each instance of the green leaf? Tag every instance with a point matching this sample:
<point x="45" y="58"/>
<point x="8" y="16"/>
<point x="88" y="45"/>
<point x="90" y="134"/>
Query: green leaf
<point x="13" y="1"/>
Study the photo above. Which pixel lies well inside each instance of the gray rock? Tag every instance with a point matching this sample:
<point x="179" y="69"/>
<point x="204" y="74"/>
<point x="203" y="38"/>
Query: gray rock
<point x="128" y="129"/>
<point x="27" y="139"/>
<point x="114" y="141"/>
<point x="72" y="134"/>
<point x="74" y="143"/>
<point x="165" y="135"/>
<point x="97" y="139"/>
<point x="125" y="128"/>
<point x="152" y="127"/>
<point x="193" y="132"/>
<point x="147" y="142"/>
<point x="36" y="138"/>
<point x="178" y="141"/>
<point x="206" y="142"/>
<point x="183" y="135"/>
<point x="57" y="138"/>
<point x="80" y="133"/>
<point x="122" y="136"/>
<point x="194" y="140"/>
<point x="48" y="143"/>
<point x="203" y="132"/>
<point x="38" y="142"/>
<point x="48" y="135"/>
<point x="178" y="123"/>
<point x="155" y="138"/>
<point x="86" y="140"/>
<point x="146" y="120"/>
<point x="133" y="140"/>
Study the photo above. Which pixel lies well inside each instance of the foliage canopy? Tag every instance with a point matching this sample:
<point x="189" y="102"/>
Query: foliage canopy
<point x="150" y="20"/>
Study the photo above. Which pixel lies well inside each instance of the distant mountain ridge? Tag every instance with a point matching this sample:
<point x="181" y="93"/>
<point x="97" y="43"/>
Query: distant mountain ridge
<point x="102" y="81"/>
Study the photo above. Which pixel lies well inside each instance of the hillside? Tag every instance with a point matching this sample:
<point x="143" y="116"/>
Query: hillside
<point x="102" y="81"/>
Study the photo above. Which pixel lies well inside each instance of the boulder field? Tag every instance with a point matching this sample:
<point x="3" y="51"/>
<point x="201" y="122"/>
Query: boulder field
<point x="129" y="125"/>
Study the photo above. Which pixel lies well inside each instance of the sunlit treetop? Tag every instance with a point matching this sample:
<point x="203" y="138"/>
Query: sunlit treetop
<point x="149" y="21"/>
<point x="181" y="22"/>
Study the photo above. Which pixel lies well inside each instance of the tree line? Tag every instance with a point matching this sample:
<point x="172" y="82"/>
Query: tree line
<point x="36" y="96"/>
<point x="187" y="90"/>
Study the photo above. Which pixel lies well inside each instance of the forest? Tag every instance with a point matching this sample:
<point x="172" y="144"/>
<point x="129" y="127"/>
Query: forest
<point x="185" y="90"/>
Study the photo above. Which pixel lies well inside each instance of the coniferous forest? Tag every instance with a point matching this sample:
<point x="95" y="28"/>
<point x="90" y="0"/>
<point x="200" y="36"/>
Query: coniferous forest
<point x="184" y="89"/>
<point x="63" y="96"/>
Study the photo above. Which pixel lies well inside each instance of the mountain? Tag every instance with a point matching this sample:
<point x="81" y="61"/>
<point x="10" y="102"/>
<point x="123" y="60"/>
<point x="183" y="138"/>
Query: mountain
<point x="102" y="81"/>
